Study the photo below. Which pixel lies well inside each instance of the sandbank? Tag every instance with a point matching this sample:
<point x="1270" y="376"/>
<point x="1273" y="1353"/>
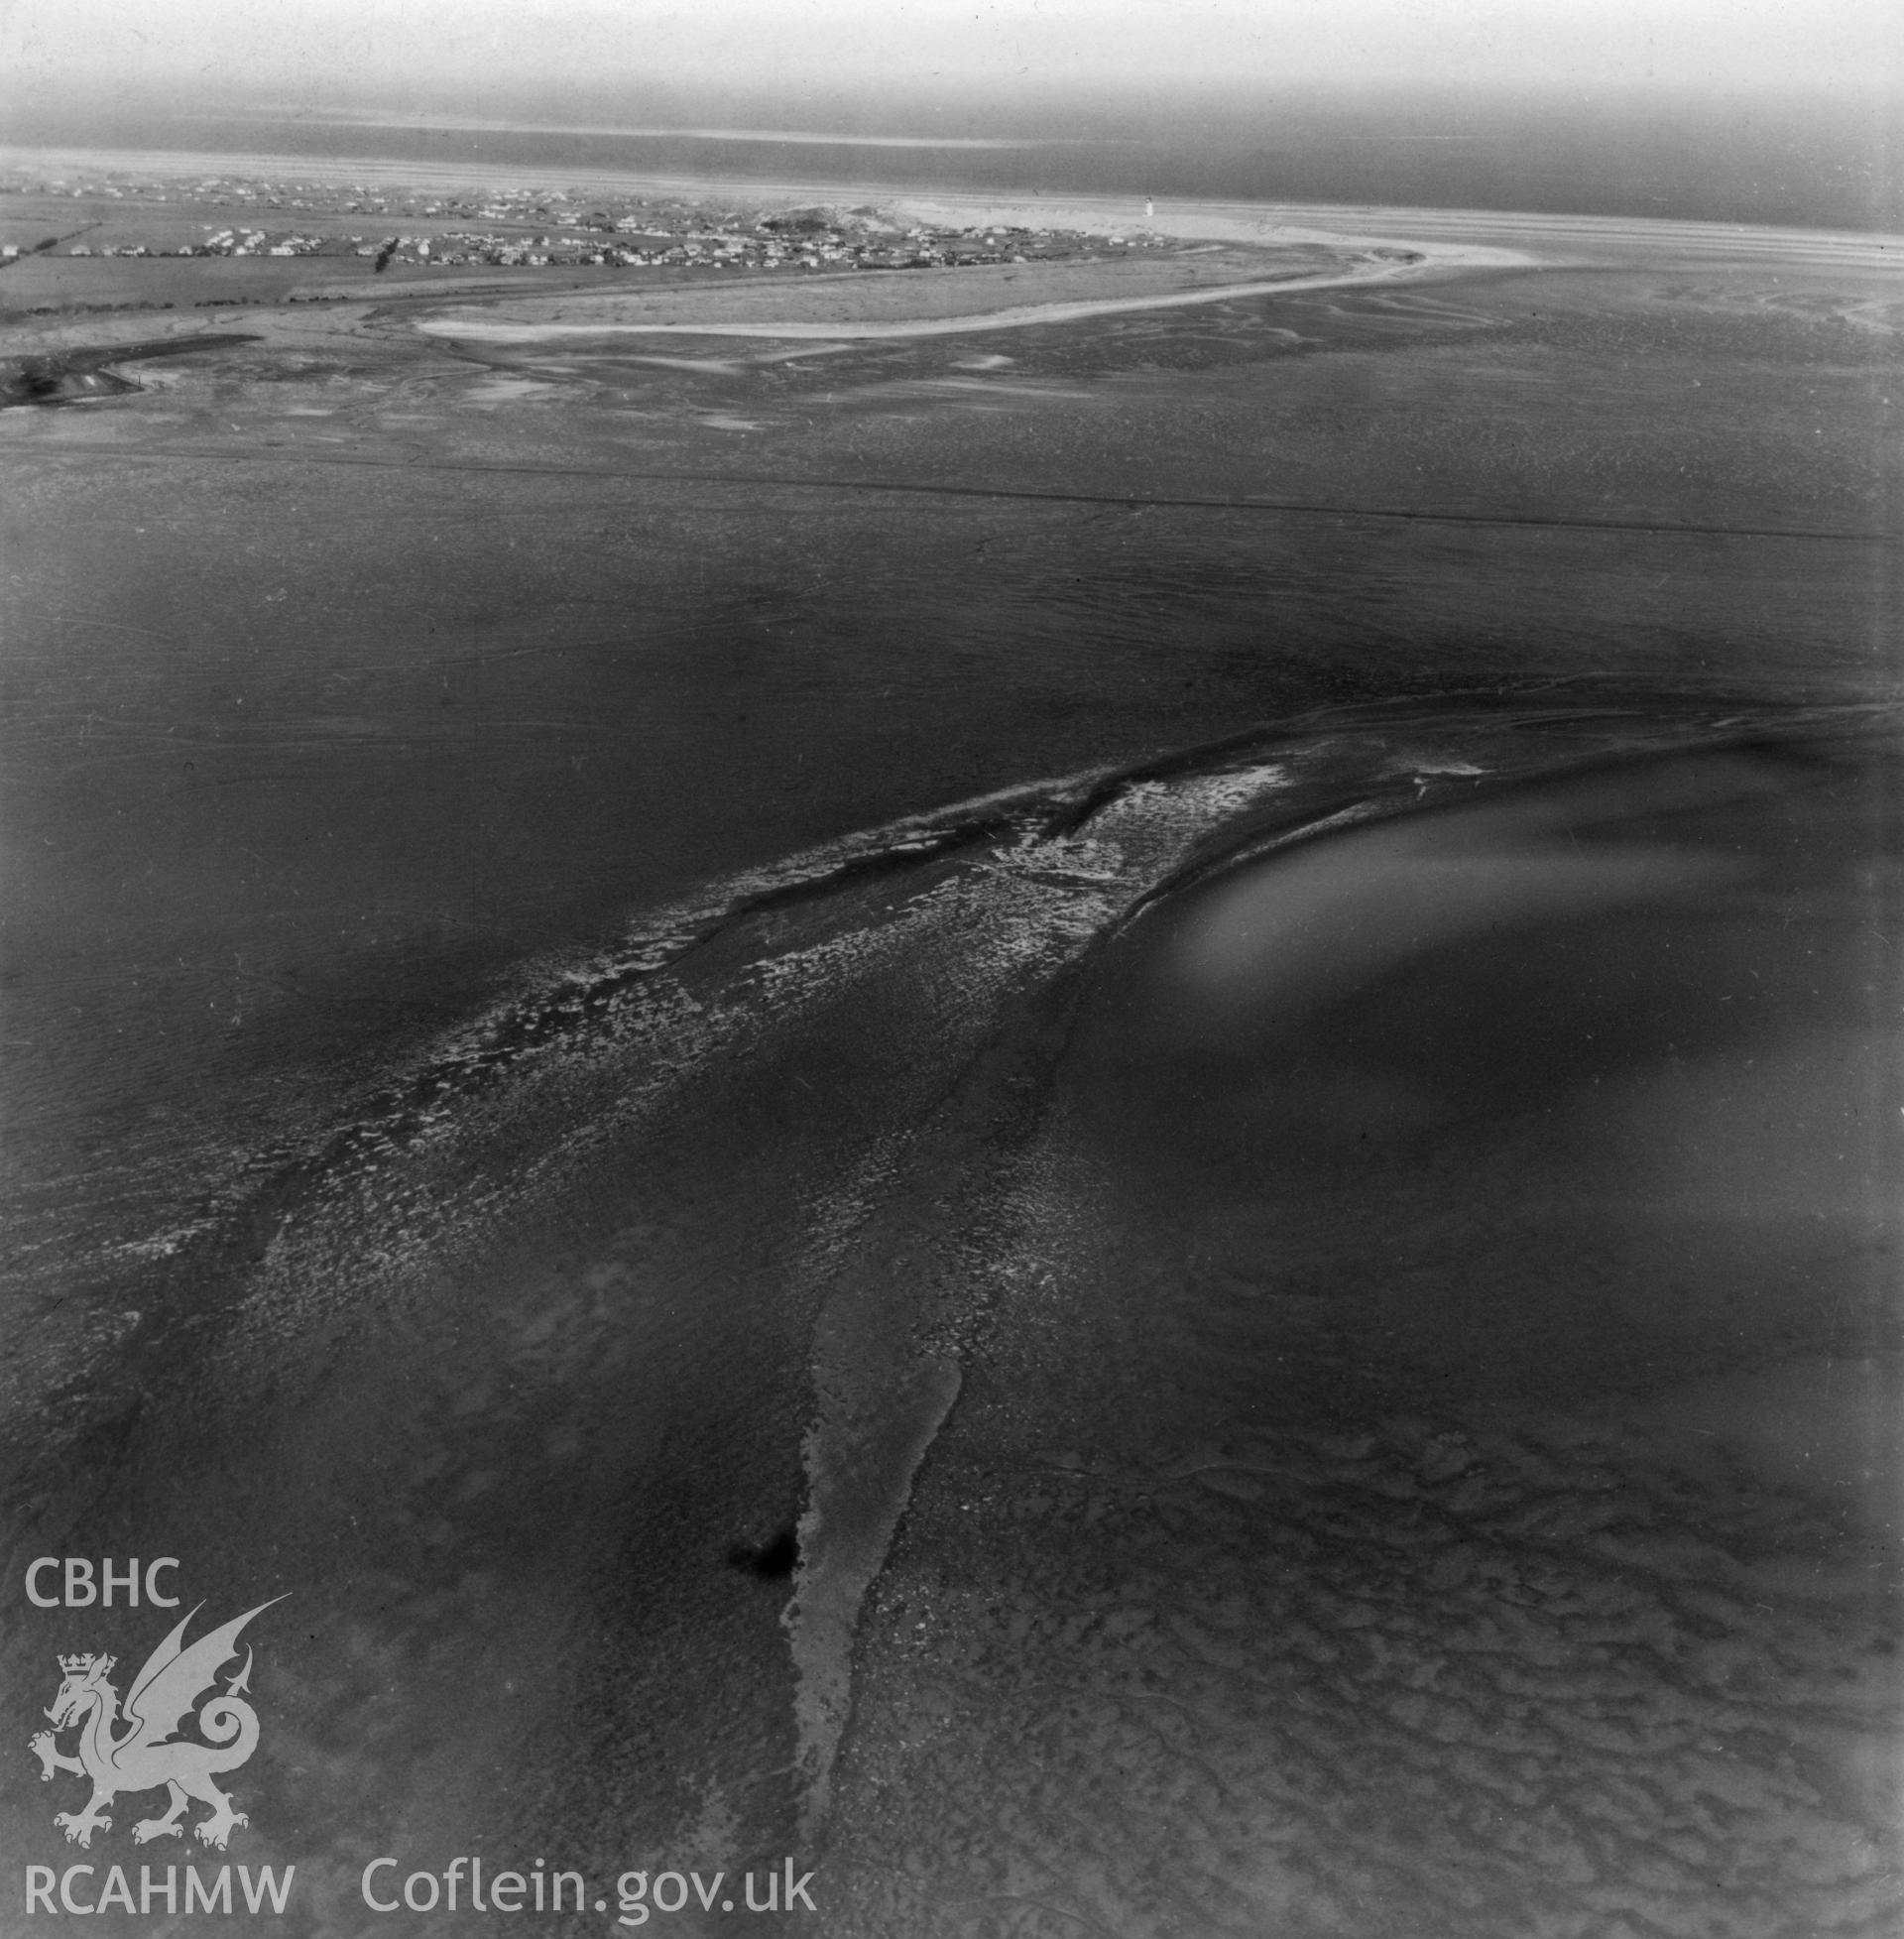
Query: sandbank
<point x="916" y="304"/>
<point x="1455" y="237"/>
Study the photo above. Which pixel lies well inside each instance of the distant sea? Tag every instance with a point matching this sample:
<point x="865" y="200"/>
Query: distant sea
<point x="1808" y="159"/>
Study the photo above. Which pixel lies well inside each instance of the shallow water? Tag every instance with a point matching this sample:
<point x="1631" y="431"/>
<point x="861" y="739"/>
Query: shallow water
<point x="1434" y="1437"/>
<point x="1215" y="1250"/>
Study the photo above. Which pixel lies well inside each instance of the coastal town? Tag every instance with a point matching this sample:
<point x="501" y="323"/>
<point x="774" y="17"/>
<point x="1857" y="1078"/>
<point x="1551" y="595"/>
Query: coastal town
<point x="509" y="228"/>
<point x="90" y="259"/>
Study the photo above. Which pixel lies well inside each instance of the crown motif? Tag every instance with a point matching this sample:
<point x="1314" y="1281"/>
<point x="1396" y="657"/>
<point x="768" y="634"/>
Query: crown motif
<point x="70" y="1664"/>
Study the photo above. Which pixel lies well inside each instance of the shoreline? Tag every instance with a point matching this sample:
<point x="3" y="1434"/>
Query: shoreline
<point x="1185" y="255"/>
<point x="1505" y="238"/>
<point x="1223" y="251"/>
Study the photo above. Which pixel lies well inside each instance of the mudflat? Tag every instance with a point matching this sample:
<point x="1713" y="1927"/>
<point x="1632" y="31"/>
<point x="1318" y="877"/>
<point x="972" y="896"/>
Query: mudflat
<point x="1176" y="1015"/>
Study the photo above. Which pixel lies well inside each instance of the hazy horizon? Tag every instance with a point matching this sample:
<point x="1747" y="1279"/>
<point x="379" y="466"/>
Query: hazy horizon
<point x="321" y="44"/>
<point x="1736" y="109"/>
<point x="1801" y="156"/>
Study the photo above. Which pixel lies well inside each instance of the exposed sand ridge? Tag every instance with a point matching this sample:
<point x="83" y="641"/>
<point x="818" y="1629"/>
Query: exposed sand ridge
<point x="934" y="304"/>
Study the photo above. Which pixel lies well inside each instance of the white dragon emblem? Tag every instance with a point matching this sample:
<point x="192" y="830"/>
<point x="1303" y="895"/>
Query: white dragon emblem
<point x="150" y="1753"/>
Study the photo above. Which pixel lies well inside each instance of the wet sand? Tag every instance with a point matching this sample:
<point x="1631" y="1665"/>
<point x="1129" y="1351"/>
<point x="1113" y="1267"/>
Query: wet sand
<point x="612" y="958"/>
<point x="945" y="302"/>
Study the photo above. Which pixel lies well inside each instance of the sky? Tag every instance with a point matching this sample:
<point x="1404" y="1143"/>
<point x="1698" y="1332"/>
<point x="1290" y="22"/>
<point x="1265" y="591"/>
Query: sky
<point x="332" y="50"/>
